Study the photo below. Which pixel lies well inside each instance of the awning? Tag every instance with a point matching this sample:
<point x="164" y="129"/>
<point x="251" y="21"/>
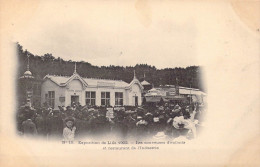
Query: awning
<point x="165" y="99"/>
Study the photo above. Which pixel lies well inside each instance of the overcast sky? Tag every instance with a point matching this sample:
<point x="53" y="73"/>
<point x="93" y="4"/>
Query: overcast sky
<point x="163" y="34"/>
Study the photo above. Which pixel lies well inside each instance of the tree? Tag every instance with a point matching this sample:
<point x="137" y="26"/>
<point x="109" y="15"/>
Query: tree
<point x="48" y="64"/>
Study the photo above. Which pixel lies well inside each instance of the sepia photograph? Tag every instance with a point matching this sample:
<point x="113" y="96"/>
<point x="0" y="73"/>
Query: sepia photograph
<point x="67" y="100"/>
<point x="129" y="83"/>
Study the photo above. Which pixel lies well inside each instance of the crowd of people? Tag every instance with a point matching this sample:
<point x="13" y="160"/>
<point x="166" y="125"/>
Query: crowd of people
<point x="128" y="122"/>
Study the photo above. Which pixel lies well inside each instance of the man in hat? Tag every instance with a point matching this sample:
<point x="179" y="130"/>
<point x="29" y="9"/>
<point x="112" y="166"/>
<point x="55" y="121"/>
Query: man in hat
<point x="101" y="125"/>
<point x="177" y="106"/>
<point x="28" y="127"/>
<point x="55" y="126"/>
<point x="40" y="122"/>
<point x="69" y="130"/>
<point x="155" y="123"/>
<point x="149" y="119"/>
<point x="69" y="112"/>
<point x="140" y="111"/>
<point x="120" y="127"/>
<point x="141" y="125"/>
<point x="131" y="125"/>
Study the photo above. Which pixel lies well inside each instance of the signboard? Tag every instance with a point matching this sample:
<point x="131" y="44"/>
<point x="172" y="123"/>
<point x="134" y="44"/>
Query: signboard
<point x="171" y="92"/>
<point x="110" y="113"/>
<point x="62" y="99"/>
<point x="105" y="84"/>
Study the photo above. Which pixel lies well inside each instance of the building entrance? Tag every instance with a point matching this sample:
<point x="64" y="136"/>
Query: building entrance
<point x="74" y="99"/>
<point x="136" y="100"/>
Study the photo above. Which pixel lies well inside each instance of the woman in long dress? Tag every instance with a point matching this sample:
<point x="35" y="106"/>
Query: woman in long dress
<point x="182" y="121"/>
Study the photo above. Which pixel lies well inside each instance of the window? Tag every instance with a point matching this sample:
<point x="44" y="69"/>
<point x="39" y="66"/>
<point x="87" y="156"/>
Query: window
<point x="118" y="98"/>
<point x="105" y="98"/>
<point x="91" y="98"/>
<point x="51" y="98"/>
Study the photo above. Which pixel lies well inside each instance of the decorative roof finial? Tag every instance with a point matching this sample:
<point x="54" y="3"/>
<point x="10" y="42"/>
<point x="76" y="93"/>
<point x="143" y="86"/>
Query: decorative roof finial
<point x="134" y="75"/>
<point x="75" y="68"/>
<point x="28" y="66"/>
<point x="27" y="73"/>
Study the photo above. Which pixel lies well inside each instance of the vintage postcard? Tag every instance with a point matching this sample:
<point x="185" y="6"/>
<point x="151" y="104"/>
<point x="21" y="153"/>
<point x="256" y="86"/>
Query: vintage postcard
<point x="129" y="83"/>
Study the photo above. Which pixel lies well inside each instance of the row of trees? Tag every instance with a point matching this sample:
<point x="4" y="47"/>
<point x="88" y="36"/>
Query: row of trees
<point x="48" y="64"/>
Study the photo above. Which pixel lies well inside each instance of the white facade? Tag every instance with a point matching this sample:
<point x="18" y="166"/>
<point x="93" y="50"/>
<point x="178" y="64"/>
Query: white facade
<point x="61" y="91"/>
